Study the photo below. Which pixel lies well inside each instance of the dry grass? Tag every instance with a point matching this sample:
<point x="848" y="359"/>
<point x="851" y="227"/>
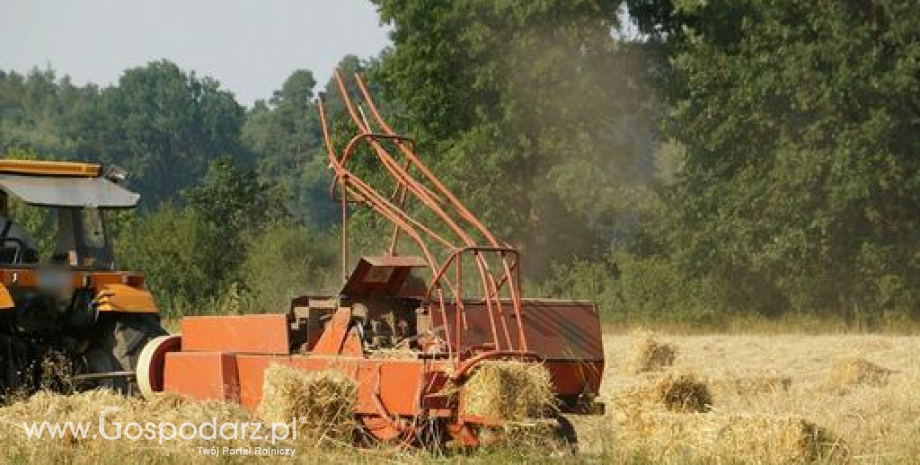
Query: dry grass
<point x="647" y="354"/>
<point x="668" y="420"/>
<point x="748" y="385"/>
<point x="880" y="424"/>
<point x="730" y="438"/>
<point x="508" y="390"/>
<point x="87" y="407"/>
<point x="326" y="400"/>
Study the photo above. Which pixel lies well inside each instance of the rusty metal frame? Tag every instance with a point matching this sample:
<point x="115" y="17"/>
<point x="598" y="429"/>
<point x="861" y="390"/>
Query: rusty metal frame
<point x="415" y="181"/>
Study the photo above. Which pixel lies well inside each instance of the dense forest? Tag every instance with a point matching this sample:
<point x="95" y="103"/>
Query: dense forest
<point x="676" y="160"/>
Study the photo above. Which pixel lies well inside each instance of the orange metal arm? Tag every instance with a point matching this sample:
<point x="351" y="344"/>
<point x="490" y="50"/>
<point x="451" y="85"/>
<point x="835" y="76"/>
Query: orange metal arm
<point x="413" y="180"/>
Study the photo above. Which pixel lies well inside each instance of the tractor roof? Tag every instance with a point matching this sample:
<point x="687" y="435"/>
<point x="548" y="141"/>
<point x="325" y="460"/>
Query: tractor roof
<point x="50" y="168"/>
<point x="63" y="184"/>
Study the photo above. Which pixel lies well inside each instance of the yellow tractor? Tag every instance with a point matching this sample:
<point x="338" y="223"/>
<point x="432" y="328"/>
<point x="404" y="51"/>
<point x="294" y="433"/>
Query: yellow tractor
<point x="70" y="320"/>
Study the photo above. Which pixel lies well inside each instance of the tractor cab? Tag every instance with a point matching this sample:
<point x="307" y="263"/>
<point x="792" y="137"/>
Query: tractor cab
<point x="79" y="194"/>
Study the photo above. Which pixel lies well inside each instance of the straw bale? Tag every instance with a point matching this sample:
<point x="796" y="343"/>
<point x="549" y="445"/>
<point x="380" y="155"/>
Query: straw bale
<point x="323" y="402"/>
<point x="508" y="390"/>
<point x="673" y="392"/>
<point x="857" y="372"/>
<point x="647" y="354"/>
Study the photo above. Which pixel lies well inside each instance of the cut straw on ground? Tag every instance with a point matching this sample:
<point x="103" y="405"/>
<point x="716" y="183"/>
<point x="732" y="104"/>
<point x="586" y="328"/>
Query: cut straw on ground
<point x="748" y="385"/>
<point x="86" y="407"/>
<point x="720" y="438"/>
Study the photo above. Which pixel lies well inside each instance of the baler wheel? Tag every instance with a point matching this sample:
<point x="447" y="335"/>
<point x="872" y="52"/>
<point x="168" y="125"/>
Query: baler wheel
<point x="152" y="361"/>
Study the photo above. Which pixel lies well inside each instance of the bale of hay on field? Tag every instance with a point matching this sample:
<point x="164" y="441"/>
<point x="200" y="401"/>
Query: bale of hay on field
<point x="683" y="392"/>
<point x="749" y="385"/>
<point x="714" y="437"/>
<point x="857" y="372"/>
<point x="647" y="354"/>
<point x="674" y="392"/>
<point x="508" y="390"/>
<point x="326" y="400"/>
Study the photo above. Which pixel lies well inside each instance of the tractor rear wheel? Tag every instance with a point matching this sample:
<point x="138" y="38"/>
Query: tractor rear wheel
<point x="118" y="345"/>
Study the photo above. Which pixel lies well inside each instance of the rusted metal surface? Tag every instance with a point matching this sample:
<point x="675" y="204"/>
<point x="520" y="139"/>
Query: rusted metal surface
<point x="380" y="275"/>
<point x="339" y="337"/>
<point x="464" y="232"/>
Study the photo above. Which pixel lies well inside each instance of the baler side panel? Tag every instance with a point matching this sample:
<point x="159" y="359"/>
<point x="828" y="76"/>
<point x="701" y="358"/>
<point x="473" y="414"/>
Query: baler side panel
<point x="400" y="384"/>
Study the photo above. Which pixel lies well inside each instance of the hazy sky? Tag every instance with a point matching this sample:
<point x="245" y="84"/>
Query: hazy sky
<point x="250" y="46"/>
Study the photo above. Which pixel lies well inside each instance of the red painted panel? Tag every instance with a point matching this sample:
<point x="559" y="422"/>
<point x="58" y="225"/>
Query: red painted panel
<point x="399" y="383"/>
<point x="555" y="329"/>
<point x="575" y="378"/>
<point x="201" y="375"/>
<point x="253" y="334"/>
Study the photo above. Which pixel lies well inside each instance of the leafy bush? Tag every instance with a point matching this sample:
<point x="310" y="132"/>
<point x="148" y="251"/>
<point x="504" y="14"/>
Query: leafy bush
<point x="182" y="258"/>
<point x="284" y="262"/>
<point x="632" y="290"/>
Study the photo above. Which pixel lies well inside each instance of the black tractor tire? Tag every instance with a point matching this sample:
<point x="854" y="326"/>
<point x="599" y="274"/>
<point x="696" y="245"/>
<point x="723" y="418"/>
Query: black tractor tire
<point x="118" y="344"/>
<point x="100" y="360"/>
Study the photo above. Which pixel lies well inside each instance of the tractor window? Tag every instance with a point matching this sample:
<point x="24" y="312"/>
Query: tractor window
<point x="38" y="222"/>
<point x="82" y="239"/>
<point x="93" y="229"/>
<point x="95" y="251"/>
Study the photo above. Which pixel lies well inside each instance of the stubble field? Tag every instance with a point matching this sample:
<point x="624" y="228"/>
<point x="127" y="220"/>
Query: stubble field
<point x="877" y="418"/>
<point x="762" y="381"/>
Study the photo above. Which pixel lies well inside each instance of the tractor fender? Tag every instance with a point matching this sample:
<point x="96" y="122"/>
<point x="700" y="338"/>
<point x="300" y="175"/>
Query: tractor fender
<point x="6" y="300"/>
<point x="124" y="298"/>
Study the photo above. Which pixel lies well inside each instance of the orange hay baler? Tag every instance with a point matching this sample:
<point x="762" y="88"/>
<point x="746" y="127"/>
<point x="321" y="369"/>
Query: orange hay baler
<point x="409" y="343"/>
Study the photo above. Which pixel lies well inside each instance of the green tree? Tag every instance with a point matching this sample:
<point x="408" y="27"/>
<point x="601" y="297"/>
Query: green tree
<point x="165" y="126"/>
<point x="286" y="261"/>
<point x="800" y="183"/>
<point x="239" y="207"/>
<point x="35" y="110"/>
<point x="536" y="112"/>
<point x="182" y="256"/>
<point x="233" y="197"/>
<point x="284" y="132"/>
